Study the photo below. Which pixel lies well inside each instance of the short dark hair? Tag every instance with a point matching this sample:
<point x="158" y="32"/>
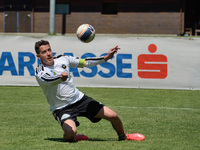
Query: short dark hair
<point x="40" y="43"/>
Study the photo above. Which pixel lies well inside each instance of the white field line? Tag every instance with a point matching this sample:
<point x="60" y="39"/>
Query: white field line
<point x="23" y="104"/>
<point x="172" y="108"/>
<point x="127" y="107"/>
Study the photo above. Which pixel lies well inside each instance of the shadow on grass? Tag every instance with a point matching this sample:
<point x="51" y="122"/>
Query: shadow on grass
<point x="91" y="139"/>
<point x="55" y="139"/>
<point x="98" y="139"/>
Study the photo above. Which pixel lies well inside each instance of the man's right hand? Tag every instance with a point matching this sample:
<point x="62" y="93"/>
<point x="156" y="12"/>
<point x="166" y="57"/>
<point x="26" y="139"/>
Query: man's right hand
<point x="64" y="76"/>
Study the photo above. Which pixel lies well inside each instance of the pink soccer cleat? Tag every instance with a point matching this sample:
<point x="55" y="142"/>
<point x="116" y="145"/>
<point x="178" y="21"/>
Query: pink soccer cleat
<point x="135" y="137"/>
<point x="81" y="137"/>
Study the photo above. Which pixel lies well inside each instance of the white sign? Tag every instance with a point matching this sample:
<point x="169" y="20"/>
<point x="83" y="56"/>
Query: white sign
<point x="142" y="62"/>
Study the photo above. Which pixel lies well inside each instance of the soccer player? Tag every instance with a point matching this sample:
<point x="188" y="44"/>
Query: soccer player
<point x="65" y="100"/>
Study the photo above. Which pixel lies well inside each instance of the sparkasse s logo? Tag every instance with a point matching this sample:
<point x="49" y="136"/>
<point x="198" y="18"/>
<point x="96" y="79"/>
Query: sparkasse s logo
<point x="152" y="66"/>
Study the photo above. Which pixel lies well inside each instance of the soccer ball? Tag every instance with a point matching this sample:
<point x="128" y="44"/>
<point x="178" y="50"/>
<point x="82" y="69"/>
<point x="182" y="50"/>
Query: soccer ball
<point x="85" y="33"/>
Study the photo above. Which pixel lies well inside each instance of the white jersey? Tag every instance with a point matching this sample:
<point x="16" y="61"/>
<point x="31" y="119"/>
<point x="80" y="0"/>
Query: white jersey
<point x="62" y="93"/>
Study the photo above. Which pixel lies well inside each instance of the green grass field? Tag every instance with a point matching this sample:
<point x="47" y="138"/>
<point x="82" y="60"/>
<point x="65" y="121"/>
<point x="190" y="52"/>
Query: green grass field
<point x="169" y="119"/>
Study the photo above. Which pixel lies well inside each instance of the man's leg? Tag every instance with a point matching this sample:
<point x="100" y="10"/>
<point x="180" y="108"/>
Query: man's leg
<point x="70" y="130"/>
<point x="110" y="115"/>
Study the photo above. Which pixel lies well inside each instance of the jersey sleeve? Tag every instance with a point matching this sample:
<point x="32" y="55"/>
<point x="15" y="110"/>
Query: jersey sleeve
<point x="87" y="62"/>
<point x="93" y="61"/>
<point x="44" y="77"/>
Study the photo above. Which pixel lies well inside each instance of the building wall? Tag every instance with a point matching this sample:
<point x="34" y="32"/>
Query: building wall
<point x="41" y="22"/>
<point x="1" y="16"/>
<point x="134" y="23"/>
<point x="133" y="17"/>
<point x="1" y="21"/>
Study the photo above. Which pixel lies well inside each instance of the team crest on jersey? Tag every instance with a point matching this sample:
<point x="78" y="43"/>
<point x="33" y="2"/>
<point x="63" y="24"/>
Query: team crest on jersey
<point x="64" y="66"/>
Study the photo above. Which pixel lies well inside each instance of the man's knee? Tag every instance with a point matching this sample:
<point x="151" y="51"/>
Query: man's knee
<point x="70" y="130"/>
<point x="69" y="137"/>
<point x="109" y="114"/>
<point x="114" y="116"/>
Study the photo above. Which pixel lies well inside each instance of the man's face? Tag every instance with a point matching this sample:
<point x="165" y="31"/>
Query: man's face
<point x="46" y="55"/>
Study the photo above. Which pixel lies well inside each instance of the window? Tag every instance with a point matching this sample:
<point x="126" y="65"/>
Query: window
<point x="62" y="8"/>
<point x="110" y="9"/>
